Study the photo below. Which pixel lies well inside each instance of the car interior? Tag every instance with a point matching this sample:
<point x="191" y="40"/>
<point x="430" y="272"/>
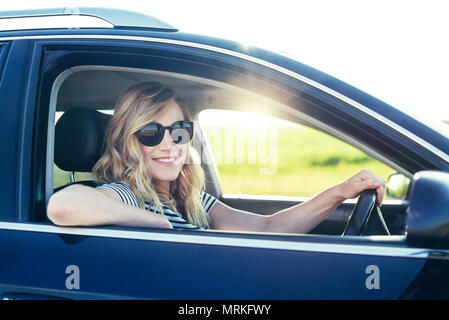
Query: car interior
<point x="87" y="96"/>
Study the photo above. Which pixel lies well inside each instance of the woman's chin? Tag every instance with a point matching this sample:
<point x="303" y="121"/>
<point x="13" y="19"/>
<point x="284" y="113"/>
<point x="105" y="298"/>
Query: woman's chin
<point x="168" y="177"/>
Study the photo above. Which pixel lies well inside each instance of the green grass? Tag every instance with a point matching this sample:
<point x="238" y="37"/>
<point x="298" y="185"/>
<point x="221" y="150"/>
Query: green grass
<point x="308" y="162"/>
<point x="61" y="177"/>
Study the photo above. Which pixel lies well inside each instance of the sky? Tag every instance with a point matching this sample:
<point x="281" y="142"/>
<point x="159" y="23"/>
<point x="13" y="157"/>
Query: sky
<point x="395" y="50"/>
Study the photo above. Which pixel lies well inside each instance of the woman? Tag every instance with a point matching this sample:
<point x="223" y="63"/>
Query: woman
<point x="149" y="179"/>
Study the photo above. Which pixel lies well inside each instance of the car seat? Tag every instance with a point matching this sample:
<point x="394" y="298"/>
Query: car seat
<point x="79" y="141"/>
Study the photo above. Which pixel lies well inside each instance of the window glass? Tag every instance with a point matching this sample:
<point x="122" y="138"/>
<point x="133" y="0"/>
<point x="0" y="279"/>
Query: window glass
<point x="261" y="155"/>
<point x="61" y="177"/>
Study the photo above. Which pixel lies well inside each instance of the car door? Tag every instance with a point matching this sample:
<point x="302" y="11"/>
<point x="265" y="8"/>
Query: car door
<point x="46" y="261"/>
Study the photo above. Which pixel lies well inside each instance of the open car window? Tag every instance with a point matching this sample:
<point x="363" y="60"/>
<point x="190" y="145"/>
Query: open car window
<point x="242" y="152"/>
<point x="303" y="145"/>
<point x="262" y="155"/>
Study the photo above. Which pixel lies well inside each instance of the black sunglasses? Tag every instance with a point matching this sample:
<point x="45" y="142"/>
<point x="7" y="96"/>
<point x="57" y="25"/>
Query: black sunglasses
<point x="152" y="134"/>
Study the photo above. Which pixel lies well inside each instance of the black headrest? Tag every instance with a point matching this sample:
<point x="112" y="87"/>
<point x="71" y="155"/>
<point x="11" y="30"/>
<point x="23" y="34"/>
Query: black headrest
<point x="79" y="136"/>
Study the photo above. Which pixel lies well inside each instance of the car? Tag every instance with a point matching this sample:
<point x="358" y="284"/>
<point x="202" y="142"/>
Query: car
<point x="59" y="83"/>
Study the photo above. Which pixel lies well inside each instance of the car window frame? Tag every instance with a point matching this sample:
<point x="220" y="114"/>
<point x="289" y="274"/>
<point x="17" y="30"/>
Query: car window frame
<point x="50" y="134"/>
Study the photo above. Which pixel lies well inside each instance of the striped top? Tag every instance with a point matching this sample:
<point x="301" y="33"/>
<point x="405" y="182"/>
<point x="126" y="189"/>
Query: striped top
<point x="127" y="196"/>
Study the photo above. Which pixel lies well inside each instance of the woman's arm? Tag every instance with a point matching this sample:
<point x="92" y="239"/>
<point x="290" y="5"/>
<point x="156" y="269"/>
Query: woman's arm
<point x="301" y="218"/>
<point x="79" y="205"/>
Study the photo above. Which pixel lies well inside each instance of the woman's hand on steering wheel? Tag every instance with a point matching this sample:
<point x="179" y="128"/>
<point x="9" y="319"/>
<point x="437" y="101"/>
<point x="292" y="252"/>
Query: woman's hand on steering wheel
<point x="363" y="180"/>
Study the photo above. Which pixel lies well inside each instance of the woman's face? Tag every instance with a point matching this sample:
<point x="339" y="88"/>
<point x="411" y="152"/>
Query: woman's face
<point x="165" y="160"/>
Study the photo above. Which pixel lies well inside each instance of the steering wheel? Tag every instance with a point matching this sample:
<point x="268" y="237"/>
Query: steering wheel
<point x="362" y="214"/>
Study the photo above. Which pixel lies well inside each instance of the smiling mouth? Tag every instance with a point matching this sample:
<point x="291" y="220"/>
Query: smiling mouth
<point x="165" y="160"/>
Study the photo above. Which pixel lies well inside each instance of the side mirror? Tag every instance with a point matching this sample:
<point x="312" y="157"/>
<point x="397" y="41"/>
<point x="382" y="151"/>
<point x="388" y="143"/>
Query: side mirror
<point x="428" y="212"/>
<point x="397" y="186"/>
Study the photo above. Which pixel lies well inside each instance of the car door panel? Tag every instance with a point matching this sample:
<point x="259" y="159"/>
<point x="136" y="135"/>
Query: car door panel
<point x="209" y="266"/>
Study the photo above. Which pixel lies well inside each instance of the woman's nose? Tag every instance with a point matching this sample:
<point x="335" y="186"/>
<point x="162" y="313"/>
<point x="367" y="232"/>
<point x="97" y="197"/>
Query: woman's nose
<point x="167" y="141"/>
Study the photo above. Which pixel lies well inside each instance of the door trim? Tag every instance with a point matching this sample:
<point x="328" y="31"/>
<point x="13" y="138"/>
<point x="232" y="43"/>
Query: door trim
<point x="225" y="238"/>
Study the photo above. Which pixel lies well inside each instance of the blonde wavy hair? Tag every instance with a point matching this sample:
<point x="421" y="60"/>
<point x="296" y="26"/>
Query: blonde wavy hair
<point x="123" y="160"/>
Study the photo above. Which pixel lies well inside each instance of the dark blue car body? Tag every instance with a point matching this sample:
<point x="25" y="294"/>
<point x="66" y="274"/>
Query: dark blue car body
<point x="135" y="263"/>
